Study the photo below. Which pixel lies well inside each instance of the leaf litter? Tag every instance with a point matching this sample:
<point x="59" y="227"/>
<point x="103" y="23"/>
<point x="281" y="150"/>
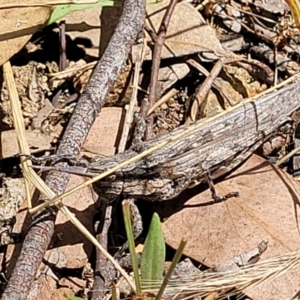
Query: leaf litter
<point x="267" y="207"/>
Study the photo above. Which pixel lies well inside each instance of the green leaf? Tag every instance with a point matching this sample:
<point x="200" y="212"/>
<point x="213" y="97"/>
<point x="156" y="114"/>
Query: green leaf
<point x="153" y="257"/>
<point x="62" y="10"/>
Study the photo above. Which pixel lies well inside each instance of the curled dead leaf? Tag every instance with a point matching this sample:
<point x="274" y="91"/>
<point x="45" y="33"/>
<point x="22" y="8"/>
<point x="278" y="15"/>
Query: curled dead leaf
<point x="183" y="38"/>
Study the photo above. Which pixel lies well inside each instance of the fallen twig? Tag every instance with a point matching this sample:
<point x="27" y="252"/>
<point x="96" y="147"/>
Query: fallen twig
<point x="203" y="91"/>
<point x="89" y="105"/>
<point x="154" y="88"/>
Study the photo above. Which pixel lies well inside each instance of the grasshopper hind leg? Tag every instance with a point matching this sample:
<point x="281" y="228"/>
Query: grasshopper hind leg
<point x="214" y="195"/>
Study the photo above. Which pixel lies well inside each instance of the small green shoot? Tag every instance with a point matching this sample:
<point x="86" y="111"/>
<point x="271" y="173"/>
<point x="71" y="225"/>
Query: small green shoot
<point x="153" y="257"/>
<point x="62" y="10"/>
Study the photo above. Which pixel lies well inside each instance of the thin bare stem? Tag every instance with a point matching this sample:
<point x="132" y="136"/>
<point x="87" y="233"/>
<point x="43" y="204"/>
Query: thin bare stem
<point x="154" y="92"/>
<point x="39" y="235"/>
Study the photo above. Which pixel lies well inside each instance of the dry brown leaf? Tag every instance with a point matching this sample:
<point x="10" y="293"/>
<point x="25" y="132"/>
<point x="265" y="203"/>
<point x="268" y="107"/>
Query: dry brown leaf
<point x="103" y="136"/>
<point x="267" y="209"/>
<point x="17" y="26"/>
<point x="184" y="37"/>
<point x="169" y="75"/>
<point x="92" y="27"/>
<point x="243" y="81"/>
<point x="69" y="247"/>
<point x="73" y="284"/>
<point x="37" y="142"/>
<point x="46" y="287"/>
<point x="208" y="108"/>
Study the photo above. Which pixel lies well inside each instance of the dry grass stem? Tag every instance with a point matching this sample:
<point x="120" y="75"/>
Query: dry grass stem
<point x="240" y="278"/>
<point x="286" y="157"/>
<point x="70" y="71"/>
<point x="31" y="176"/>
<point x="162" y="100"/>
<point x="33" y="3"/>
